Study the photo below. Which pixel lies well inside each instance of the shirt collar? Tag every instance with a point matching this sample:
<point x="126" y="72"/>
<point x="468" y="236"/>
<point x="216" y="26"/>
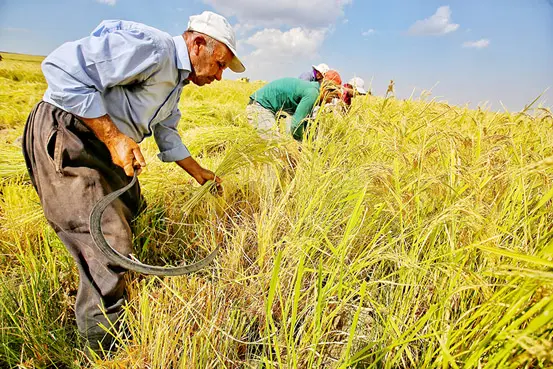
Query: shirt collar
<point x="183" y="60"/>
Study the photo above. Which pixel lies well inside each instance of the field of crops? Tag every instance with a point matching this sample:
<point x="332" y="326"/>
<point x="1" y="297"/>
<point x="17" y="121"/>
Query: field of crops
<point x="405" y="234"/>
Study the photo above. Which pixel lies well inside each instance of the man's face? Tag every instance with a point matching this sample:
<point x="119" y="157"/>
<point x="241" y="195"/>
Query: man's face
<point x="318" y="75"/>
<point x="208" y="67"/>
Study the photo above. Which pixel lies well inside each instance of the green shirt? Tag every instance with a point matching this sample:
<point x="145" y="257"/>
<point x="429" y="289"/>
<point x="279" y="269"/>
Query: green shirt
<point x="291" y="95"/>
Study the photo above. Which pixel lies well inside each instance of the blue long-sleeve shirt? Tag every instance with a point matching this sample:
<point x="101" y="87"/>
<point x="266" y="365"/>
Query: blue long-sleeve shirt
<point x="130" y="71"/>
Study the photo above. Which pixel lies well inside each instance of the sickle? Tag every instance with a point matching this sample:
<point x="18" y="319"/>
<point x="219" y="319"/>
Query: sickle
<point x="116" y="258"/>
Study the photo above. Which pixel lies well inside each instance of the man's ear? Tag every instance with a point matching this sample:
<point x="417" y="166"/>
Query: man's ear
<point x="198" y="41"/>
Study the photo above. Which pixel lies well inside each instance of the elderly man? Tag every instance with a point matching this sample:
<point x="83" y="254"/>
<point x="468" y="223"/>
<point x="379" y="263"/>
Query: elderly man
<point x="316" y="74"/>
<point x="106" y="93"/>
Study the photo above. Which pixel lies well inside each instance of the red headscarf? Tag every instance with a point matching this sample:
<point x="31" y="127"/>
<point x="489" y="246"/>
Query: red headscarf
<point x="347" y="94"/>
<point x="333" y="76"/>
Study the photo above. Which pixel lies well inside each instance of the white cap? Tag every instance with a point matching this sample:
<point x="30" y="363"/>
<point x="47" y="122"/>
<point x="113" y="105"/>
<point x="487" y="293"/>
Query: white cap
<point x="358" y="84"/>
<point x="217" y="27"/>
<point x="323" y="68"/>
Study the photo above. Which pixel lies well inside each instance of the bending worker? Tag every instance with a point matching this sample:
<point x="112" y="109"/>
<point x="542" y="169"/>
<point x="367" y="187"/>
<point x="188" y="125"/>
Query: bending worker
<point x="106" y="93"/>
<point x="293" y="96"/>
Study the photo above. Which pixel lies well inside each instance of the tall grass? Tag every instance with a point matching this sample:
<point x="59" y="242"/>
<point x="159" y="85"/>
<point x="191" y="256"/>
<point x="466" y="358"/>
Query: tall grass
<point x="405" y="234"/>
<point x="21" y="86"/>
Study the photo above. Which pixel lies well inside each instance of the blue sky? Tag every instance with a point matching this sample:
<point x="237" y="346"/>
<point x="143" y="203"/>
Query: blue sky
<point x="471" y="51"/>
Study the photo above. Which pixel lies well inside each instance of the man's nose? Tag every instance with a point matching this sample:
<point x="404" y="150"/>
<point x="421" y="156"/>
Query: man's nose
<point x="219" y="75"/>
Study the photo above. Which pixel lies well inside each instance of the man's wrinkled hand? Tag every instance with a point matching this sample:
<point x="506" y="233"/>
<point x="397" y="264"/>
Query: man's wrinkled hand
<point x="126" y="154"/>
<point x="200" y="174"/>
<point x="203" y="175"/>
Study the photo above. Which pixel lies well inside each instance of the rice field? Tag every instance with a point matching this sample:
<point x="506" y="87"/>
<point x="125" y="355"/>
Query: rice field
<point x="404" y="234"/>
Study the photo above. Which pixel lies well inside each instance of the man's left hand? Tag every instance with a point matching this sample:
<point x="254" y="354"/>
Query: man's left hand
<point x="207" y="175"/>
<point x="200" y="174"/>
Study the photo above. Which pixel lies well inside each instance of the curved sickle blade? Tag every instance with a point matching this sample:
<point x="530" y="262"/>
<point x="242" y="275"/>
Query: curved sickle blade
<point x="121" y="260"/>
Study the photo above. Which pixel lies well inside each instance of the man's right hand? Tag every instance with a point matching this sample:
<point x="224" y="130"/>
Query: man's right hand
<point x="125" y="153"/>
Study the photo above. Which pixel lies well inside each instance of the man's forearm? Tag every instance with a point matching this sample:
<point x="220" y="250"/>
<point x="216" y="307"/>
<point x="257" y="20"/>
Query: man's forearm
<point x="123" y="150"/>
<point x="190" y="165"/>
<point x="201" y="175"/>
<point x="103" y="127"/>
<point x="296" y="129"/>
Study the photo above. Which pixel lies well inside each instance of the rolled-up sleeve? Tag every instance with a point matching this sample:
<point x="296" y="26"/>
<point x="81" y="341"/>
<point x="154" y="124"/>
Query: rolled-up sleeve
<point x="78" y="72"/>
<point x="168" y="139"/>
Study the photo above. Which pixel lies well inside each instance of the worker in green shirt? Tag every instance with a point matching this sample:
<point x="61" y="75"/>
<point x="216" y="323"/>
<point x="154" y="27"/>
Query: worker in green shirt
<point x="293" y="96"/>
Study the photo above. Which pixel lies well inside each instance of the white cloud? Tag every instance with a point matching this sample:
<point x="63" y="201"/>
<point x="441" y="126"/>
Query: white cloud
<point x="108" y="2"/>
<point x="279" y="38"/>
<point x="242" y="29"/>
<point x="275" y="52"/>
<point x="480" y="44"/>
<point x="298" y="42"/>
<point x="438" y="24"/>
<point x="368" y="32"/>
<point x="275" y="13"/>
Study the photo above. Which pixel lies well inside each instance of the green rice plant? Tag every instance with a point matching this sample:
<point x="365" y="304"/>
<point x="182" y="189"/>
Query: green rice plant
<point x="21" y="87"/>
<point x="401" y="234"/>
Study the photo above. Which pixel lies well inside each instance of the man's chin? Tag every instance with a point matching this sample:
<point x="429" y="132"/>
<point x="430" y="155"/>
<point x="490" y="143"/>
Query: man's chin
<point x="201" y="82"/>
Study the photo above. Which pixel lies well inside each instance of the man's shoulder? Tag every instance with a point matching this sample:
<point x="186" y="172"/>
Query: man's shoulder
<point x="291" y="81"/>
<point x="311" y="86"/>
<point x="140" y="29"/>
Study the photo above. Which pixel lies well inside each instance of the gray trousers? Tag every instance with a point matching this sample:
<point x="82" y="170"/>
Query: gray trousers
<point x="265" y="121"/>
<point x="71" y="170"/>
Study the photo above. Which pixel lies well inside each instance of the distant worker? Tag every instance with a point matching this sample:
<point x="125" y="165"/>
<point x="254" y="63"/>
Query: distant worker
<point x="293" y="96"/>
<point x="316" y="74"/>
<point x="358" y="85"/>
<point x="355" y="86"/>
